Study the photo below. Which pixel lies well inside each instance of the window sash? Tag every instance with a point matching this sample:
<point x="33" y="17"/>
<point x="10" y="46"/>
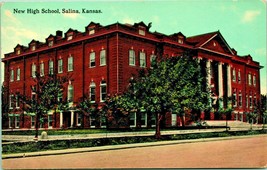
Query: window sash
<point x="60" y="66"/>
<point x="240" y="100"/>
<point x="234" y="75"/>
<point x="132" y="120"/>
<point x="51" y="67"/>
<point x="142" y="59"/>
<point x="17" y="120"/>
<point x="50" y="120"/>
<point x="92" y="59"/>
<point x="102" y="57"/>
<point x="70" y="63"/>
<point x="33" y="70"/>
<point x="249" y="79"/>
<point x="11" y="75"/>
<point x="11" y="101"/>
<point x="70" y="93"/>
<point x="42" y="69"/>
<point x="131" y="57"/>
<point x="17" y="101"/>
<point x="32" y="121"/>
<point x="103" y="91"/>
<point x="92" y="94"/>
<point x="254" y="80"/>
<point x="152" y="59"/>
<point x="239" y="76"/>
<point x="18" y="74"/>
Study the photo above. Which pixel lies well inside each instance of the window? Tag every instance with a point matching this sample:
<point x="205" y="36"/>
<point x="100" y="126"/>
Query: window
<point x="102" y="57"/>
<point x="91" y="30"/>
<point x="249" y="79"/>
<point x="42" y="69"/>
<point x="92" y="92"/>
<point x="69" y="37"/>
<point x="180" y="40"/>
<point x="51" y="67"/>
<point x="142" y="32"/>
<point x="79" y="119"/>
<point x="240" y="99"/>
<point x="152" y="59"/>
<point x="234" y="75"/>
<point x="17" y="120"/>
<point x="235" y="99"/>
<point x="250" y="101"/>
<point x="92" y="121"/>
<point x="33" y="48"/>
<point x="34" y="97"/>
<point x="153" y="120"/>
<point x="33" y="70"/>
<point x="239" y="76"/>
<point x="142" y="59"/>
<point x="50" y="43"/>
<point x="11" y="75"/>
<point x="60" y="66"/>
<point x="132" y="119"/>
<point x="255" y="100"/>
<point x="50" y="121"/>
<point x="32" y="121"/>
<point x="11" y="101"/>
<point x="131" y="57"/>
<point x="92" y="59"/>
<point x="17" y="101"/>
<point x="70" y="93"/>
<point x="18" y="52"/>
<point x="10" y="120"/>
<point x="70" y="63"/>
<point x="144" y="119"/>
<point x="103" y="91"/>
<point x="18" y="74"/>
<point x="254" y="80"/>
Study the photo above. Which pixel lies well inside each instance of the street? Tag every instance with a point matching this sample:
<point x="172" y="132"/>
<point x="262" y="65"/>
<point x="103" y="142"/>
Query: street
<point x="234" y="153"/>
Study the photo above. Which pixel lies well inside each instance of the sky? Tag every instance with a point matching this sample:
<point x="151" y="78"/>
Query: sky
<point x="241" y="22"/>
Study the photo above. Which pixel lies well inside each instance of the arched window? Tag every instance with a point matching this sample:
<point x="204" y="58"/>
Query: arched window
<point x="70" y="93"/>
<point x="92" y="92"/>
<point x="103" y="90"/>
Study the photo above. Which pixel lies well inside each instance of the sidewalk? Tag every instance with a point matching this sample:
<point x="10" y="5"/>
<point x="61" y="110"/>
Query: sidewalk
<point x="115" y="147"/>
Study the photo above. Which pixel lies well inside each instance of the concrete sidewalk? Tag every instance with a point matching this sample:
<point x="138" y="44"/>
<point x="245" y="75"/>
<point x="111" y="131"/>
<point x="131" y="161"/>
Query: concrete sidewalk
<point x="115" y="147"/>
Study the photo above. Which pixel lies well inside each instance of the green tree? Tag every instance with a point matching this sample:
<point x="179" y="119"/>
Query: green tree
<point x="48" y="96"/>
<point x="4" y="105"/>
<point x="173" y="85"/>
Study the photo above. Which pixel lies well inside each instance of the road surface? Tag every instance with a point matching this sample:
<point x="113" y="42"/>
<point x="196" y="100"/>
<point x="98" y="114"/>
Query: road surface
<point x="234" y="153"/>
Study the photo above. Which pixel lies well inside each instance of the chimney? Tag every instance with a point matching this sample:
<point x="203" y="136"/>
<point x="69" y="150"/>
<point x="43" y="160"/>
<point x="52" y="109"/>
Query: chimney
<point x="59" y="33"/>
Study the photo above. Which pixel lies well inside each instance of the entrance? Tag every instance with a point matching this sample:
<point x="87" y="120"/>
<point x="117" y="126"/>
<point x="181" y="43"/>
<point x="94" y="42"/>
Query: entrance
<point x="66" y="119"/>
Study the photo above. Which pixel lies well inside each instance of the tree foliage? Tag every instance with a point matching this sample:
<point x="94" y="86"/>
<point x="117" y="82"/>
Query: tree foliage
<point x="173" y="85"/>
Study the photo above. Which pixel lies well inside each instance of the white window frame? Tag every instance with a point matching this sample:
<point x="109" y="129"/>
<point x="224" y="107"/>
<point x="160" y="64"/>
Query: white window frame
<point x="91" y="120"/>
<point x="131" y="57"/>
<point x="134" y="116"/>
<point x="18" y="52"/>
<point x="70" y="63"/>
<point x="103" y="84"/>
<point x="144" y="118"/>
<point x="234" y="75"/>
<point x="11" y="75"/>
<point x="18" y="74"/>
<point x="17" y="102"/>
<point x="50" y="43"/>
<point x="91" y="30"/>
<point x="103" y="57"/>
<point x="10" y="120"/>
<point x="239" y="76"/>
<point x="17" y="121"/>
<point x="180" y="41"/>
<point x="92" y="60"/>
<point x="33" y="70"/>
<point x="33" y="47"/>
<point x="69" y="36"/>
<point x="240" y="103"/>
<point x="254" y="80"/>
<point x="51" y="67"/>
<point x="92" y="86"/>
<point x="250" y="101"/>
<point x="142" y="59"/>
<point x="141" y="32"/>
<point x="246" y="100"/>
<point x="249" y="79"/>
<point x="42" y="69"/>
<point x="11" y="101"/>
<point x="235" y="100"/>
<point x="60" y="65"/>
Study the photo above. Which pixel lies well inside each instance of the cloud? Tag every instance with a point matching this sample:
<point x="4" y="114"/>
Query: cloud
<point x="250" y="15"/>
<point x="10" y="17"/>
<point x="128" y="20"/>
<point x="260" y="51"/>
<point x="71" y="15"/>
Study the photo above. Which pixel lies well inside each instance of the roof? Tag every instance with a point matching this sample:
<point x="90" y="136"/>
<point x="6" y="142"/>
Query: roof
<point x="198" y="40"/>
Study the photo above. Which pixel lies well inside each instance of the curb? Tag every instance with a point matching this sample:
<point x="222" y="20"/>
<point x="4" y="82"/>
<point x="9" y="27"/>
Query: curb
<point x="122" y="146"/>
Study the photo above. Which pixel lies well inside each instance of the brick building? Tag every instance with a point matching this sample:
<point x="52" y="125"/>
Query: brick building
<point x="102" y="59"/>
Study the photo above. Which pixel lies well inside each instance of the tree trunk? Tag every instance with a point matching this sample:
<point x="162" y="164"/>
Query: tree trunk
<point x="158" y="119"/>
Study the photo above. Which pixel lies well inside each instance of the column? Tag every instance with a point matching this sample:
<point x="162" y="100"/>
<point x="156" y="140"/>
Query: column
<point x="229" y="81"/>
<point x="61" y="119"/>
<point x="220" y="84"/>
<point x="208" y="65"/>
<point x="72" y="118"/>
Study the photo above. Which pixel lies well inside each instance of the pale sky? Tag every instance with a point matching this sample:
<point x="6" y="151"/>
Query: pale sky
<point x="241" y="22"/>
